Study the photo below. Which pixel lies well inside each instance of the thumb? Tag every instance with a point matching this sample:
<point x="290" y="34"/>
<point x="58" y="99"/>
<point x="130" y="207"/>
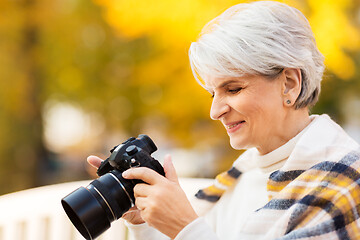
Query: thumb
<point x="94" y="161"/>
<point x="170" y="172"/>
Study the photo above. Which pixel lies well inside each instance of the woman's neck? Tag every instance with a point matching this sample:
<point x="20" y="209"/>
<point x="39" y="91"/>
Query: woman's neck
<point x="291" y="125"/>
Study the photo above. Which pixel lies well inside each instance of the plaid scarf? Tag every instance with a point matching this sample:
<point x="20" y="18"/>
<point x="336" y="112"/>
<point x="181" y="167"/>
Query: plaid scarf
<point x="222" y="182"/>
<point x="320" y="201"/>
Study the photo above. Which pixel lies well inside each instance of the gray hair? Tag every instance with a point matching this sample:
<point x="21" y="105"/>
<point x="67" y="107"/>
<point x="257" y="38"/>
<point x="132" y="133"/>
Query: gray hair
<point x="259" y="38"/>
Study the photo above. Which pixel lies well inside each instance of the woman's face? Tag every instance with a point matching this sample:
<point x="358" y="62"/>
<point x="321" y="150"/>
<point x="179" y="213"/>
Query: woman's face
<point x="251" y="108"/>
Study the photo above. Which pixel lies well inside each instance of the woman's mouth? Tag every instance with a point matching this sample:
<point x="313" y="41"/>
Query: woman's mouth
<point x="230" y="128"/>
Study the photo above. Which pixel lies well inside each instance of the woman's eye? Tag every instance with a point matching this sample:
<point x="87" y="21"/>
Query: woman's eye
<point x="235" y="90"/>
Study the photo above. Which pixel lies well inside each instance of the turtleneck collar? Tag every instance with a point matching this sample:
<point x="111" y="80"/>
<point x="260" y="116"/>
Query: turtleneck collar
<point x="271" y="161"/>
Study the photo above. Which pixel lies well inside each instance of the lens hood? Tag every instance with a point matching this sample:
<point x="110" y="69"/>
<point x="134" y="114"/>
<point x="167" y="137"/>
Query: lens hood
<point x="86" y="213"/>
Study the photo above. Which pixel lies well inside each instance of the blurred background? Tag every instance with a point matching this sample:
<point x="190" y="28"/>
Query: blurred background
<point x="78" y="77"/>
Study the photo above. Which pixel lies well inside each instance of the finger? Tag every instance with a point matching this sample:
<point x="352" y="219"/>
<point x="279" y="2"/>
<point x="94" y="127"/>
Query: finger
<point x="94" y="161"/>
<point x="142" y="190"/>
<point x="140" y="203"/>
<point x="170" y="172"/>
<point x="143" y="173"/>
<point x="132" y="210"/>
<point x="133" y="216"/>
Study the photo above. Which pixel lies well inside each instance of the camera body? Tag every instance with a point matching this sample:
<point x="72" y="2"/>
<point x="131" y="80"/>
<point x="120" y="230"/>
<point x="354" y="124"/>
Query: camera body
<point x="134" y="152"/>
<point x="107" y="198"/>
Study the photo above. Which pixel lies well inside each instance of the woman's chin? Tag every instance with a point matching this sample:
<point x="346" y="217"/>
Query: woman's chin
<point x="237" y="144"/>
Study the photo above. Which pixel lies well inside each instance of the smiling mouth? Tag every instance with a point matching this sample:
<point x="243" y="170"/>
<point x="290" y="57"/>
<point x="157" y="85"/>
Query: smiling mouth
<point x="234" y="125"/>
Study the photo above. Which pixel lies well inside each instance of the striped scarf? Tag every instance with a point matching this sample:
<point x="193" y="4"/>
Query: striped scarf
<point x="321" y="202"/>
<point x="222" y="182"/>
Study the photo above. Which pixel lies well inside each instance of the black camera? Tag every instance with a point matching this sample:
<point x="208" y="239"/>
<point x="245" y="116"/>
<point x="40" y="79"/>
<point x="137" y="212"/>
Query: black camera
<point x="107" y="198"/>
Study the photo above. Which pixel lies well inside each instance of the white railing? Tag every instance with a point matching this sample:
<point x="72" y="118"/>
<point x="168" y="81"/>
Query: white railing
<point x="37" y="214"/>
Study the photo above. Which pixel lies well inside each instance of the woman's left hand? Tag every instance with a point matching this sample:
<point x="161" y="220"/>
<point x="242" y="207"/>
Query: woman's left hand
<point x="162" y="202"/>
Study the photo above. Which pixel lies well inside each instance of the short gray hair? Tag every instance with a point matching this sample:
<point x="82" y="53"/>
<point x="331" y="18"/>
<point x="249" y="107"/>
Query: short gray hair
<point x="260" y="38"/>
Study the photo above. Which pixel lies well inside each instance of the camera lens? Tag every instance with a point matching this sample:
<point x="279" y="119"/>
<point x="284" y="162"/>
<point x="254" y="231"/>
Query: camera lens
<point x="104" y="200"/>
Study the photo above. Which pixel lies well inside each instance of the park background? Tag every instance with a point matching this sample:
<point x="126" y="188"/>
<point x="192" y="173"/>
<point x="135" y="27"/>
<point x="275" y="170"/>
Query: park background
<point x="78" y="77"/>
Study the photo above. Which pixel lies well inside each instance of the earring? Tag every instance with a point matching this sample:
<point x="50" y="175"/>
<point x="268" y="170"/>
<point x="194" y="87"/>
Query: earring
<point x="288" y="101"/>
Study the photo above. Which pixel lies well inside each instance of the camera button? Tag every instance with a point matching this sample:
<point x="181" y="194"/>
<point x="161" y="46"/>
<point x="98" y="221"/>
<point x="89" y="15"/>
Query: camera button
<point x="131" y="150"/>
<point x="134" y="163"/>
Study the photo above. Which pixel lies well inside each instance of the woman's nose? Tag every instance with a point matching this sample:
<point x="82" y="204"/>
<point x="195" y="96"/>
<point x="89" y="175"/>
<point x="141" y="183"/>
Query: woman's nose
<point x="219" y="107"/>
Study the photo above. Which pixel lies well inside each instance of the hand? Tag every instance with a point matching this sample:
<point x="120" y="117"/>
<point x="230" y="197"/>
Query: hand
<point x="133" y="215"/>
<point x="162" y="202"/>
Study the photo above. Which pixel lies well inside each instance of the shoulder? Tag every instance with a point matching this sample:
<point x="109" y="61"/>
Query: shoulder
<point x="321" y="142"/>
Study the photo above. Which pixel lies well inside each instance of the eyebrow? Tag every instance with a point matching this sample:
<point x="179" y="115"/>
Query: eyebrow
<point x="224" y="84"/>
<point x="228" y="82"/>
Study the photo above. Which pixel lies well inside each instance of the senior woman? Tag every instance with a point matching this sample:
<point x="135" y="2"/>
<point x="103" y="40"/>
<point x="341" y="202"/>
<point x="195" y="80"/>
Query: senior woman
<point x="299" y="176"/>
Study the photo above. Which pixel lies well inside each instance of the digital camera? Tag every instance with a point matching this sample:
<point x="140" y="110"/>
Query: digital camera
<point x="91" y="209"/>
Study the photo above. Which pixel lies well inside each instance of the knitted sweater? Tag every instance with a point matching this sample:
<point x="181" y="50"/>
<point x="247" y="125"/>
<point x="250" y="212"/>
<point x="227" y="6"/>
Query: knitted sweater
<point x="307" y="188"/>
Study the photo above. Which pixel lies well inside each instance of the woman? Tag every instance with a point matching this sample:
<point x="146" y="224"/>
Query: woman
<point x="298" y="178"/>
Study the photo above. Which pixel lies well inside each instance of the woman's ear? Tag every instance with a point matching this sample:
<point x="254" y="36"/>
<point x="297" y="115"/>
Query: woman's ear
<point x="291" y="87"/>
